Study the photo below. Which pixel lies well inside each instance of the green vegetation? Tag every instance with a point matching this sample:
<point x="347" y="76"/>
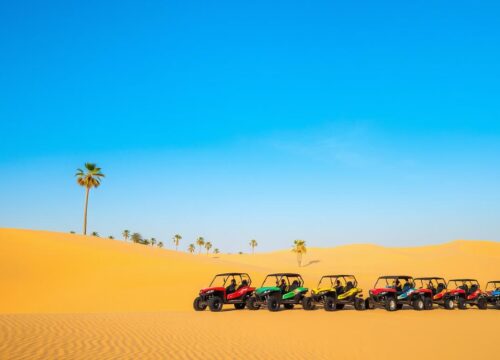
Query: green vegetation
<point x="91" y="178"/>
<point x="299" y="247"/>
<point x="253" y="244"/>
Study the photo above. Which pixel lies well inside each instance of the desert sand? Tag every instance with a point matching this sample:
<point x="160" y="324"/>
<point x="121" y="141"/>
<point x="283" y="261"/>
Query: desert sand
<point x="67" y="296"/>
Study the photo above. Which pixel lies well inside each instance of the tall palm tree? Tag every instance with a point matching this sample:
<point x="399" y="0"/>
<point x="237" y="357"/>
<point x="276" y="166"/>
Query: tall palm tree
<point x="253" y="244"/>
<point x="299" y="247"/>
<point x="126" y="234"/>
<point x="95" y="233"/>
<point x="208" y="246"/>
<point x="216" y="251"/>
<point x="191" y="248"/>
<point x="200" y="242"/>
<point x="176" y="239"/>
<point x="160" y="245"/>
<point x="91" y="178"/>
<point x="136" y="238"/>
<point x="153" y="241"/>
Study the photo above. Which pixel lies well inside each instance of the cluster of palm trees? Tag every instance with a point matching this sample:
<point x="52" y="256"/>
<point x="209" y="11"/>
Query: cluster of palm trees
<point x="91" y="178"/>
<point x="200" y="241"/>
<point x="137" y="238"/>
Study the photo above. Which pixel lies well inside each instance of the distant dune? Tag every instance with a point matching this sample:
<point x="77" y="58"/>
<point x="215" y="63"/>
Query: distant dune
<point x="49" y="272"/>
<point x="72" y="297"/>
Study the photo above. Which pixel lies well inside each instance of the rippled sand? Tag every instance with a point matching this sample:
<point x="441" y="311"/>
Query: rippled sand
<point x="65" y="296"/>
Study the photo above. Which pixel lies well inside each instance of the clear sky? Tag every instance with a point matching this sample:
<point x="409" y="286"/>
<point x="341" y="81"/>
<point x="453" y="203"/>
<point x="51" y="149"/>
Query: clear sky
<point x="334" y="122"/>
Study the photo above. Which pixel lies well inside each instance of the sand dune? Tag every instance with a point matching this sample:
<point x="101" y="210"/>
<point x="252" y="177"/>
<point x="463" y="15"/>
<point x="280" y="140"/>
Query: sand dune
<point x="69" y="296"/>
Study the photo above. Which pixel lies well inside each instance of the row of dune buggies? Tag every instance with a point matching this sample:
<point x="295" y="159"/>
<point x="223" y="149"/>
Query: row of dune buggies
<point x="334" y="292"/>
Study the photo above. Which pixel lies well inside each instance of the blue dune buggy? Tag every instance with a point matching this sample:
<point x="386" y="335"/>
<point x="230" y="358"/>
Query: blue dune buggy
<point x="493" y="293"/>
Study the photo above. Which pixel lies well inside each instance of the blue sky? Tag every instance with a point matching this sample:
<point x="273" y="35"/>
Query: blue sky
<point x="333" y="122"/>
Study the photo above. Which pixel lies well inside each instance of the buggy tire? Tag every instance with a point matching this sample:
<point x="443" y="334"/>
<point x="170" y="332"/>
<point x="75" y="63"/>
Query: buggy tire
<point x="497" y="304"/>
<point x="288" y="306"/>
<point x="215" y="304"/>
<point x="307" y="303"/>
<point x="391" y="304"/>
<point x="461" y="303"/>
<point x="418" y="304"/>
<point x="449" y="304"/>
<point x="330" y="303"/>
<point x="482" y="303"/>
<point x="252" y="303"/>
<point x="199" y="305"/>
<point x="359" y="304"/>
<point x="369" y="305"/>
<point x="428" y="304"/>
<point x="273" y="303"/>
<point x="239" y="306"/>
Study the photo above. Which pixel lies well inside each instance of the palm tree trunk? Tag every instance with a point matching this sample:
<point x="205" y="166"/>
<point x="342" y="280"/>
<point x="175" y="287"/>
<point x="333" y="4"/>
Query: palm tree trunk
<point x="87" y="190"/>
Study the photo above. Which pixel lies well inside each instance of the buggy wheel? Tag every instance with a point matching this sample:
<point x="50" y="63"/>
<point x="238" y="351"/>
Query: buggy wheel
<point x="449" y="304"/>
<point x="359" y="304"/>
<point x="461" y="303"/>
<point x="215" y="303"/>
<point x="330" y="303"/>
<point x="497" y="304"/>
<point x="199" y="305"/>
<point x="288" y="306"/>
<point x="273" y="303"/>
<point x="239" y="306"/>
<point x="390" y="304"/>
<point x="252" y="303"/>
<point x="482" y="303"/>
<point x="369" y="304"/>
<point x="418" y="304"/>
<point x="307" y="303"/>
<point x="428" y="304"/>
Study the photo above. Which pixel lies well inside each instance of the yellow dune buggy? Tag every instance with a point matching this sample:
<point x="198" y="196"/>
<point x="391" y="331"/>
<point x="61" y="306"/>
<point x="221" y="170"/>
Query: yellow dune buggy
<point x="336" y="291"/>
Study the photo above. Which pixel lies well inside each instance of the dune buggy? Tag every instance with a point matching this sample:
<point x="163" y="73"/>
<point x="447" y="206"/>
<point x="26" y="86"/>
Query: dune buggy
<point x="282" y="288"/>
<point x="336" y="291"/>
<point x="471" y="295"/>
<point x="493" y="293"/>
<point x="441" y="295"/>
<point x="228" y="288"/>
<point x="395" y="291"/>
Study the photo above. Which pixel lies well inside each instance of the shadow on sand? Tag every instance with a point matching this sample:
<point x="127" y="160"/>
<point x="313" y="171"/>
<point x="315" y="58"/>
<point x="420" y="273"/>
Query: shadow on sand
<point x="311" y="262"/>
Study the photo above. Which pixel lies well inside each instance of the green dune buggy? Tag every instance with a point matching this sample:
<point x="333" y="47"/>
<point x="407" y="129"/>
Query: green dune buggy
<point x="281" y="288"/>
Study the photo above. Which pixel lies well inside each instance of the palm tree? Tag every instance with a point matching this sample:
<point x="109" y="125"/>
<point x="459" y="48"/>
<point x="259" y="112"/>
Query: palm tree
<point x="191" y="248"/>
<point x="253" y="244"/>
<point x="299" y="247"/>
<point x="208" y="246"/>
<point x="200" y="242"/>
<point x="160" y="245"/>
<point x="176" y="239"/>
<point x="89" y="179"/>
<point x="153" y="241"/>
<point x="216" y="251"/>
<point x="145" y="242"/>
<point x="111" y="237"/>
<point x="126" y="234"/>
<point x="71" y="232"/>
<point x="95" y="233"/>
<point x="136" y="238"/>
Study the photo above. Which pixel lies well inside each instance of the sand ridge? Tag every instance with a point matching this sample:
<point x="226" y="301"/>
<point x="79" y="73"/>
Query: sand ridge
<point x="72" y="297"/>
